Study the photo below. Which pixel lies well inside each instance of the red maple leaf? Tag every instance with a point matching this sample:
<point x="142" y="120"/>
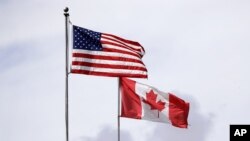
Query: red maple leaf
<point x="151" y="101"/>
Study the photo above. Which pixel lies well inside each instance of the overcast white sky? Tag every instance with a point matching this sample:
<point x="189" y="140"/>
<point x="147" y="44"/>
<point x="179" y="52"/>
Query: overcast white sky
<point x="197" y="49"/>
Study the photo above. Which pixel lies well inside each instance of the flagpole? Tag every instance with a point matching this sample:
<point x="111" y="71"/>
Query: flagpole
<point x="118" y="114"/>
<point x="66" y="14"/>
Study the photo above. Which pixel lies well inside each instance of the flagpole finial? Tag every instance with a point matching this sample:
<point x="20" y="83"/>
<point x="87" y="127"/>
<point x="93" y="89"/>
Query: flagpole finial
<point x="66" y="10"/>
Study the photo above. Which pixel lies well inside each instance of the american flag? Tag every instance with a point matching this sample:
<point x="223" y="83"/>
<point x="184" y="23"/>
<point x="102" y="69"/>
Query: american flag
<point x="102" y="54"/>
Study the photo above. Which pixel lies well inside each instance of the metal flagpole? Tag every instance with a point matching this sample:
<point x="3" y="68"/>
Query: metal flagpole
<point x="118" y="114"/>
<point x="66" y="14"/>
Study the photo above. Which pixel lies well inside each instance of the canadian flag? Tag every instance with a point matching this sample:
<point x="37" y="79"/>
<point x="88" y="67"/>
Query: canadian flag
<point x="140" y="101"/>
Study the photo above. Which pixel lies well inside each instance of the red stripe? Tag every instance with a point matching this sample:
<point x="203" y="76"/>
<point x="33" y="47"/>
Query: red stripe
<point x="131" y="103"/>
<point x="114" y="44"/>
<point x="121" y="51"/>
<point x="124" y="40"/>
<point x="111" y="66"/>
<point x="123" y="45"/>
<point x="114" y="58"/>
<point x="178" y="111"/>
<point x="108" y="74"/>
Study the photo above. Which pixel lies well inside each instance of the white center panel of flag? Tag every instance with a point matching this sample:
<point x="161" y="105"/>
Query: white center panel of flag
<point x="147" y="112"/>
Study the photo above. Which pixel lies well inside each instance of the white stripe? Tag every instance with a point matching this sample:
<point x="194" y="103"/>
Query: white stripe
<point x="123" y="46"/>
<point x="133" y="46"/>
<point x="108" y="62"/>
<point x="102" y="53"/>
<point x="120" y="48"/>
<point x="105" y="70"/>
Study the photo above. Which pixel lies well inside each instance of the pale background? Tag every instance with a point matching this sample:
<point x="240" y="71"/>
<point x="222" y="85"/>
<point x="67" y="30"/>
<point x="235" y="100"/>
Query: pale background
<point x="197" y="49"/>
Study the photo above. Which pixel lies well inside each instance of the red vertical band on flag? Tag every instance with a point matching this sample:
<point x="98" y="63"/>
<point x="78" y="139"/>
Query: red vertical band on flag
<point x="178" y="111"/>
<point x="131" y="103"/>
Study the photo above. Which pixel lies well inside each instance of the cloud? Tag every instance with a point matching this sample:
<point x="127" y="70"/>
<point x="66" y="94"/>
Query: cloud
<point x="30" y="20"/>
<point x="17" y="53"/>
<point x="30" y="102"/>
<point x="108" y="134"/>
